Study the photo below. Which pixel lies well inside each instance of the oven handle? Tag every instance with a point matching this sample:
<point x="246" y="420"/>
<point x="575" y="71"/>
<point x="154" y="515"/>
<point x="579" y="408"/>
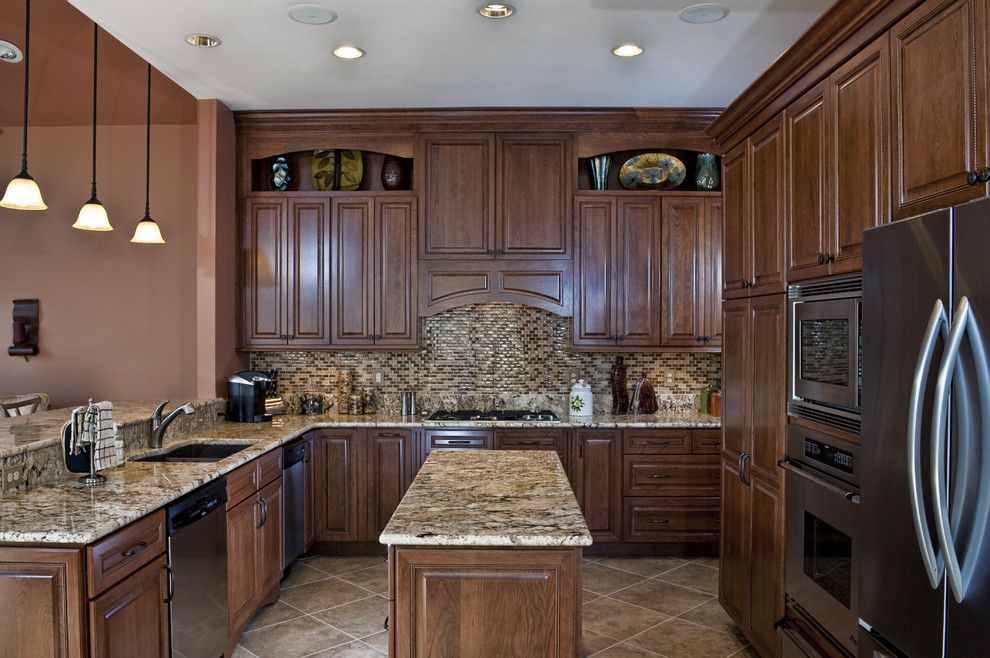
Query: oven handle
<point x="797" y="468"/>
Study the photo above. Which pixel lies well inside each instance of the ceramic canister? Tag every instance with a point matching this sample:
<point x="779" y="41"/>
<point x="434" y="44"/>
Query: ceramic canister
<point x="580" y="402"/>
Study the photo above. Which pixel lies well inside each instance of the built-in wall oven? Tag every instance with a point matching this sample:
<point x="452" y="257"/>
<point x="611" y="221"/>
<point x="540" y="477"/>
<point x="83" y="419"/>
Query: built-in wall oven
<point x="822" y="535"/>
<point x="825" y="351"/>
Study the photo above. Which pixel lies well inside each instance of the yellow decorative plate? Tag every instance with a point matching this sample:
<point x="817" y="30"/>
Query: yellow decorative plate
<point x="652" y="171"/>
<point x="351" y="170"/>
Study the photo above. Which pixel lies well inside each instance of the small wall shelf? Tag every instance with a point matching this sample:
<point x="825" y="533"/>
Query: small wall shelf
<point x="300" y="173"/>
<point x="689" y="158"/>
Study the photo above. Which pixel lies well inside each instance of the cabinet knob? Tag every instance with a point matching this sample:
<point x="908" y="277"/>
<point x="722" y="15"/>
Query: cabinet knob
<point x="984" y="175"/>
<point x="821" y="259"/>
<point x="828" y="258"/>
<point x="972" y="177"/>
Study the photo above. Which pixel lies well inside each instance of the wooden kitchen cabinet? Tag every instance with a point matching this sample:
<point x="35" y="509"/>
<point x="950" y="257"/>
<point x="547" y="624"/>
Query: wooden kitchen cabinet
<point x="456" y="439"/>
<point x="269" y="539"/>
<point x="132" y="618"/>
<point x="286" y="269"/>
<point x="391" y="464"/>
<point x="617" y="263"/>
<point x="339" y="478"/>
<point x="939" y="92"/>
<point x="598" y="482"/>
<point x="242" y="584"/>
<point x="737" y="230"/>
<point x="691" y="309"/>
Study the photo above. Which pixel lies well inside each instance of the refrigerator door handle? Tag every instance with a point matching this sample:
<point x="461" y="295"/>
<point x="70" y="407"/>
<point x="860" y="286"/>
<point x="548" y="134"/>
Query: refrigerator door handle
<point x="937" y="324"/>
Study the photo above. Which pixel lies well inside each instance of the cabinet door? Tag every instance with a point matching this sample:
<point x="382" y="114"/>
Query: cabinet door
<point x="263" y="241"/>
<point x="390" y="464"/>
<point x="682" y="303"/>
<point x="595" y="292"/>
<point x="339" y="480"/>
<point x="132" y="618"/>
<point x="939" y="86"/>
<point x="351" y="286"/>
<point x="637" y="267"/>
<point x="737" y="227"/>
<point x="737" y="377"/>
<point x="456" y="182"/>
<point x="533" y="214"/>
<point x="711" y="250"/>
<point x="767" y="566"/>
<point x="599" y="483"/>
<point x="242" y="562"/>
<point x="309" y="272"/>
<point x="859" y="166"/>
<point x="769" y="384"/>
<point x="269" y="538"/>
<point x="767" y="162"/>
<point x="805" y="122"/>
<point x="309" y="486"/>
<point x="734" y="574"/>
<point x="395" y="286"/>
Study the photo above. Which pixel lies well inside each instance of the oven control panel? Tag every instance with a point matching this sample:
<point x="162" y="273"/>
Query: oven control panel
<point x="823" y="453"/>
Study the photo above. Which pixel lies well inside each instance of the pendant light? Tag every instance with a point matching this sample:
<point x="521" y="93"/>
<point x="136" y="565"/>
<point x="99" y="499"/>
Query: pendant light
<point x="147" y="231"/>
<point x="93" y="216"/>
<point x="22" y="192"/>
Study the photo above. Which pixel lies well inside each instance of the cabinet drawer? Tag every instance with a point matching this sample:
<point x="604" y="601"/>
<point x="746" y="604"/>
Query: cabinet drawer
<point x="242" y="483"/>
<point x="670" y="519"/>
<point x="528" y="439"/>
<point x="706" y="442"/>
<point x="269" y="467"/>
<point x="115" y="557"/>
<point x="671" y="475"/>
<point x="655" y="442"/>
<point x="457" y="440"/>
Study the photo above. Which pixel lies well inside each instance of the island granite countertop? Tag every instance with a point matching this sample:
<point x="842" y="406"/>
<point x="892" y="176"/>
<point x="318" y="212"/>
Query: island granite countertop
<point x="489" y="498"/>
<point x="66" y="512"/>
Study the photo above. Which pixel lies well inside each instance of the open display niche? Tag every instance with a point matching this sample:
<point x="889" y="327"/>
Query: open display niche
<point x="619" y="158"/>
<point x="301" y="177"/>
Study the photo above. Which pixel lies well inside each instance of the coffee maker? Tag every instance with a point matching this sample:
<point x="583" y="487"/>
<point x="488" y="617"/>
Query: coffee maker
<point x="246" y="393"/>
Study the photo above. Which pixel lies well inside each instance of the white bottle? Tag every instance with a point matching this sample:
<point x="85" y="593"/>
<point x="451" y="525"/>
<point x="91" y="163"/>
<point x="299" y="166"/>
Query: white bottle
<point x="581" y="402"/>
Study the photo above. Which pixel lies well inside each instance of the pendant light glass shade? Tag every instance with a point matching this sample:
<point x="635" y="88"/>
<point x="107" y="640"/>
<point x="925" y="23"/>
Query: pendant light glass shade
<point x="22" y="192"/>
<point x="147" y="231"/>
<point x="93" y="216"/>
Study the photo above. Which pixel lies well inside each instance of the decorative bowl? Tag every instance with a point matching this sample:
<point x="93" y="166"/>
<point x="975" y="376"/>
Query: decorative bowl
<point x="324" y="164"/>
<point x="652" y="171"/>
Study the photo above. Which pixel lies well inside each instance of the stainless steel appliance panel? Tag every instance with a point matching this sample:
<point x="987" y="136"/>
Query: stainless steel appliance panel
<point x="906" y="273"/>
<point x="293" y="502"/>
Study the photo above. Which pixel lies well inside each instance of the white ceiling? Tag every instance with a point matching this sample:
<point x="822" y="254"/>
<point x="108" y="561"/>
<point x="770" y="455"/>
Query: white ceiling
<point x="441" y="53"/>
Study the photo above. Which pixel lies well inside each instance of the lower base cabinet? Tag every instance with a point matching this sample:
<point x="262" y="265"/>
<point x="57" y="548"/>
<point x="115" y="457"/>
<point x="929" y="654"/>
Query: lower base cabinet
<point x="598" y="482"/>
<point x="132" y="619"/>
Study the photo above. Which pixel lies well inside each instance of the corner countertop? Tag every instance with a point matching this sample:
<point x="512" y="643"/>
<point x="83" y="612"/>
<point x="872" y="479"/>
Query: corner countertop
<point x="489" y="498"/>
<point x="66" y="512"/>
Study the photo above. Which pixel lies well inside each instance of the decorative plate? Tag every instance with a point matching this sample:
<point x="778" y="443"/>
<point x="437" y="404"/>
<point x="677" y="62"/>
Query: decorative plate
<point x="351" y="170"/>
<point x="652" y="171"/>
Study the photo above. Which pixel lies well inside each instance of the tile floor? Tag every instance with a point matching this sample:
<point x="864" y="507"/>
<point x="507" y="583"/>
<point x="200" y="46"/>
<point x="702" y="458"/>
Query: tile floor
<point x="633" y="607"/>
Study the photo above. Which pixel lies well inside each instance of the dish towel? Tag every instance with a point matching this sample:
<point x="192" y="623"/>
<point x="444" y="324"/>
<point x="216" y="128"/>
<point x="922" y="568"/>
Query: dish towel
<point x="94" y="426"/>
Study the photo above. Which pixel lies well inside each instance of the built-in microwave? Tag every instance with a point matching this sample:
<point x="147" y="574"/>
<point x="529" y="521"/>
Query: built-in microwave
<point x="825" y="351"/>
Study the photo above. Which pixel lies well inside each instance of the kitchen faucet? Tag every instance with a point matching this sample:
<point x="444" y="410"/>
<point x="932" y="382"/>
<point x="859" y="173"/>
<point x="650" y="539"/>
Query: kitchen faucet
<point x="159" y="424"/>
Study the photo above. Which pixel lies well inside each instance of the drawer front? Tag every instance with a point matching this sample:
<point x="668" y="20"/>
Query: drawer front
<point x="671" y="519"/>
<point x="457" y="440"/>
<point x="656" y="442"/>
<point x="115" y="557"/>
<point x="242" y="483"/>
<point x="671" y="475"/>
<point x="529" y="439"/>
<point x="706" y="442"/>
<point x="269" y="467"/>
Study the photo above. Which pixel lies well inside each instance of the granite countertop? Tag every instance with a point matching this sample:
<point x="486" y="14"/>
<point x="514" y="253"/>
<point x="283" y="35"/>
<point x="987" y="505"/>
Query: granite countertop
<point x="489" y="498"/>
<point x="66" y="512"/>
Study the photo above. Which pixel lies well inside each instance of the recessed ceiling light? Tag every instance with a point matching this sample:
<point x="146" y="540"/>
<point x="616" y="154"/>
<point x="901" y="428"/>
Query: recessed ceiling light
<point x="496" y="10"/>
<point x="348" y="52"/>
<point x="203" y="40"/>
<point x="10" y="53"/>
<point x="312" y="14"/>
<point x="627" y="50"/>
<point x="703" y="13"/>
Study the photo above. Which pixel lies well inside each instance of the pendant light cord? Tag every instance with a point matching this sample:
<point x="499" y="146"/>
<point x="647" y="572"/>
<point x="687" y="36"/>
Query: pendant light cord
<point x="96" y="43"/>
<point x="147" y="151"/>
<point x="27" y="71"/>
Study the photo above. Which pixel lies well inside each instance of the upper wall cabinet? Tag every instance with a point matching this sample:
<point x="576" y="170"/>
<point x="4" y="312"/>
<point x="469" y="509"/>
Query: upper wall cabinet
<point x="486" y="196"/>
<point x="286" y="268"/>
<point x="939" y="83"/>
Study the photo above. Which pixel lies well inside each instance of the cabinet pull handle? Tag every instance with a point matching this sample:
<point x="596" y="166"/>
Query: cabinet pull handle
<point x="744" y="283"/>
<point x="581" y="447"/>
<point x="388" y="435"/>
<point x="658" y="443"/>
<point x="699" y="339"/>
<point x="658" y="476"/>
<point x="742" y="468"/>
<point x="528" y="443"/>
<point x="258" y="517"/>
<point x="171" y="584"/>
<point x="659" y="521"/>
<point x="135" y="549"/>
<point x="264" y="510"/>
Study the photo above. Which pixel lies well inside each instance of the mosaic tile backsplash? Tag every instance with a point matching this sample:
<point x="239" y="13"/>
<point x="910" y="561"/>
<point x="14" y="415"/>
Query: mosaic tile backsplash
<point x="516" y="354"/>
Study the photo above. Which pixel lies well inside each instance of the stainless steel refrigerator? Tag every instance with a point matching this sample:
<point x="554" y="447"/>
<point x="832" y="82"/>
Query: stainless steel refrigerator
<point x="924" y="586"/>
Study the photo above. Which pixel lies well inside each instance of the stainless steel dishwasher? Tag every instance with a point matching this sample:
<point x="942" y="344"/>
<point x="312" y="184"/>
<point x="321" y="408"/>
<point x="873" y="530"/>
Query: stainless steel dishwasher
<point x="197" y="544"/>
<point x="294" y="460"/>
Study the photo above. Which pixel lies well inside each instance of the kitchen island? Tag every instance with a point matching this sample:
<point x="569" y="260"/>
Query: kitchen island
<point x="485" y="557"/>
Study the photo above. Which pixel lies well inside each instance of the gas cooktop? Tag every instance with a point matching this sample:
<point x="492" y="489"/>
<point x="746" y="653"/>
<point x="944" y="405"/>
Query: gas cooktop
<point x="518" y="415"/>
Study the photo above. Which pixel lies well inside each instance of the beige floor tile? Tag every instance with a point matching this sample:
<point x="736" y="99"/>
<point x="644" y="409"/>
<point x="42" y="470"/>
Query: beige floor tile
<point x="336" y="565"/>
<point x="588" y="596"/>
<point x="360" y="618"/>
<point x="681" y="639"/>
<point x="619" y="620"/>
<point x="378" y="641"/>
<point x="593" y="642"/>
<point x="603" y="580"/>
<point x="273" y="614"/>
<point x="299" y="637"/>
<point x="352" y="650"/>
<point x="374" y="579"/>
<point x="694" y="576"/>
<point x="643" y="566"/>
<point x="241" y="652"/>
<point x="657" y="595"/>
<point x="302" y="574"/>
<point x="322" y="594"/>
<point x="746" y="652"/>
<point x="712" y="615"/>
<point x="626" y="650"/>
<point x="710" y="562"/>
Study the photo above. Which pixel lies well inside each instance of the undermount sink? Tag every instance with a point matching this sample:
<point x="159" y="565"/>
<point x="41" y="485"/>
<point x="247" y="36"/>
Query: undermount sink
<point x="194" y="452"/>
